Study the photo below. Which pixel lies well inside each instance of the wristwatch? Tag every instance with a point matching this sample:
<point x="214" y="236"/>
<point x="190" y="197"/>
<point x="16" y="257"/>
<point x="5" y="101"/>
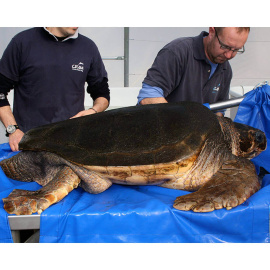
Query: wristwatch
<point x="11" y="129"/>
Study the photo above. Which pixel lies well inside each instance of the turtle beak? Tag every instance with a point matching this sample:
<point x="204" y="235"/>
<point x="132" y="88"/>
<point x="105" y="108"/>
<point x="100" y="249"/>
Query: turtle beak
<point x="260" y="140"/>
<point x="259" y="144"/>
<point x="252" y="143"/>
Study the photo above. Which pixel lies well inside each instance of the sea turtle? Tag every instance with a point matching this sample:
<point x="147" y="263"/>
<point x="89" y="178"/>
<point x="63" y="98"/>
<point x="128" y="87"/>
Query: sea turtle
<point x="178" y="145"/>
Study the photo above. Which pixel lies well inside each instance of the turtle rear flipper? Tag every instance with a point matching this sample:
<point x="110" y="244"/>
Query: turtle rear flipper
<point x="230" y="186"/>
<point x="23" y="202"/>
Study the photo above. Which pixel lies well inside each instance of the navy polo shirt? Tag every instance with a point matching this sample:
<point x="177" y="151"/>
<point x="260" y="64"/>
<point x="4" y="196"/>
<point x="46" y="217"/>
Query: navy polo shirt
<point x="181" y="69"/>
<point x="50" y="75"/>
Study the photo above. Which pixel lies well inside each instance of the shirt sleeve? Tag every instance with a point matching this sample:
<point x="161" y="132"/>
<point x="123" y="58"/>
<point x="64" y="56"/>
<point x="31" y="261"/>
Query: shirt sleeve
<point x="5" y="86"/>
<point x="100" y="89"/>
<point x="10" y="61"/>
<point x="97" y="79"/>
<point x="165" y="72"/>
<point x="149" y="91"/>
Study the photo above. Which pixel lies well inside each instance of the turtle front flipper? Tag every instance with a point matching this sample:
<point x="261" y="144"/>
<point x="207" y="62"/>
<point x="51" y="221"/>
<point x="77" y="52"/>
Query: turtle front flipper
<point x="230" y="186"/>
<point x="23" y="202"/>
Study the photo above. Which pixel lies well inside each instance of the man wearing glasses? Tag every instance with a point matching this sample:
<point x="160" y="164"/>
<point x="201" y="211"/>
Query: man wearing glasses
<point x="194" y="68"/>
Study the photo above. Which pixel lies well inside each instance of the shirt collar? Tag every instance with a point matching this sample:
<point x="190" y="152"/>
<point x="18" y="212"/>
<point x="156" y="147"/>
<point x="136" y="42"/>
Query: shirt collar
<point x="199" y="53"/>
<point x="69" y="37"/>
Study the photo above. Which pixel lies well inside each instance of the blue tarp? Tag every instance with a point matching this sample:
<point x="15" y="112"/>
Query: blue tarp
<point x="254" y="111"/>
<point x="139" y="214"/>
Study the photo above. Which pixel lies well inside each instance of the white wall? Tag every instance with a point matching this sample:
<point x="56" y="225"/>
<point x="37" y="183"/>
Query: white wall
<point x="250" y="68"/>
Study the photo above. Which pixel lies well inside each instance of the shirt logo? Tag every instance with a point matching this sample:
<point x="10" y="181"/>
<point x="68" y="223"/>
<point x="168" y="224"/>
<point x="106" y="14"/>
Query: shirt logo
<point x="78" y="67"/>
<point x="215" y="89"/>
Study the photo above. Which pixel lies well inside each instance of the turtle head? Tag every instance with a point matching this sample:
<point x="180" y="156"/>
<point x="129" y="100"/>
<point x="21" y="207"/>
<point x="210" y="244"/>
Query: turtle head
<point x="244" y="141"/>
<point x="251" y="141"/>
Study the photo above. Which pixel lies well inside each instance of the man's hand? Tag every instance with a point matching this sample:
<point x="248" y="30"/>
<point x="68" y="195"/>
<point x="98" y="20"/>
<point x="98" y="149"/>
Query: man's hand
<point x="100" y="105"/>
<point x="219" y="114"/>
<point x="84" y="113"/>
<point x="14" y="140"/>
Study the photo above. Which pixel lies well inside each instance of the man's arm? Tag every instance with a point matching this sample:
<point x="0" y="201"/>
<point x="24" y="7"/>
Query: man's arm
<point x="7" y="118"/>
<point x="100" y="94"/>
<point x="153" y="100"/>
<point x="100" y="105"/>
<point x="162" y="78"/>
<point x="6" y="115"/>
<point x="98" y="86"/>
<point x="150" y="95"/>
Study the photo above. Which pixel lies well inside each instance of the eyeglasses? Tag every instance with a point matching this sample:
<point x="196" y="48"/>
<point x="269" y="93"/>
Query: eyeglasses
<point x="228" y="48"/>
